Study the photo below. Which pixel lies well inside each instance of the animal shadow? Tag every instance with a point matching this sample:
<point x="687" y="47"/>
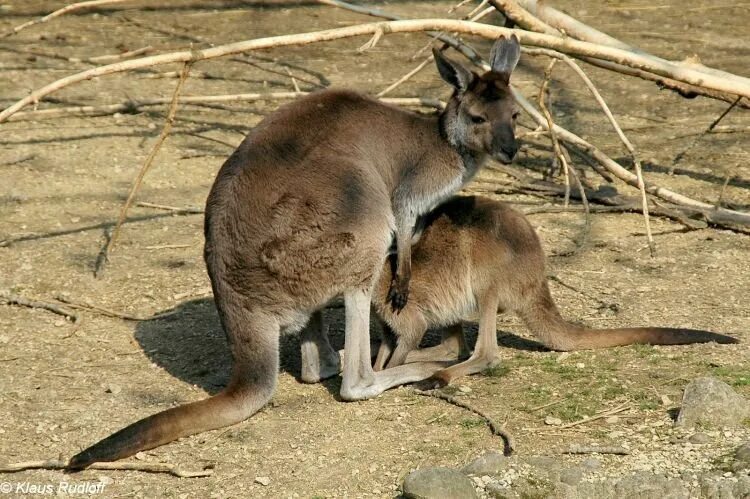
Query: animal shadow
<point x="190" y="344"/>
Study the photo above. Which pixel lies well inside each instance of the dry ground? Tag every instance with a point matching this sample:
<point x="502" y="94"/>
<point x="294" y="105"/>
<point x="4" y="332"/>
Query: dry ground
<point x="61" y="388"/>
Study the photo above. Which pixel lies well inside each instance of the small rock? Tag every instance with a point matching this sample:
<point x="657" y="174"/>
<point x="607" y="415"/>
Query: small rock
<point x="113" y="389"/>
<point x="263" y="480"/>
<point x="464" y="389"/>
<point x="552" y="421"/>
<point x="491" y="463"/>
<point x="742" y="457"/>
<point x="710" y="401"/>
<point x="580" y="365"/>
<point x="612" y="420"/>
<point x="699" y="438"/>
<point x="438" y="483"/>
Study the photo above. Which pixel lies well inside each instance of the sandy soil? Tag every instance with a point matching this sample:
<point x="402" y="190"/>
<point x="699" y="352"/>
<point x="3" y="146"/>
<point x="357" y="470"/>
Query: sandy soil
<point x="64" y="386"/>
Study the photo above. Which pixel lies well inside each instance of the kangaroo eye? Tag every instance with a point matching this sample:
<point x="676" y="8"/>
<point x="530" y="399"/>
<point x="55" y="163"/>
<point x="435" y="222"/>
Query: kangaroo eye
<point x="516" y="115"/>
<point x="477" y="120"/>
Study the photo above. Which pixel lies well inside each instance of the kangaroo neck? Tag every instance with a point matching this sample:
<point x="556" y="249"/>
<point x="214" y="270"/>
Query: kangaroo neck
<point x="471" y="160"/>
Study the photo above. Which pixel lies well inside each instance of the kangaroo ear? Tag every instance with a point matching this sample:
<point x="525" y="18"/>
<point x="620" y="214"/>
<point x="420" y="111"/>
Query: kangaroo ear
<point x="504" y="56"/>
<point x="452" y="72"/>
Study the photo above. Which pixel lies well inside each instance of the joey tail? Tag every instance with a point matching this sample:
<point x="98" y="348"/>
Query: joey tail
<point x="253" y="381"/>
<point x="543" y="319"/>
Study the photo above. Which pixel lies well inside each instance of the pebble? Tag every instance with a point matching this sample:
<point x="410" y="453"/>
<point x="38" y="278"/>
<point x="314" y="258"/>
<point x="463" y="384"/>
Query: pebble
<point x="552" y="421"/>
<point x="263" y="480"/>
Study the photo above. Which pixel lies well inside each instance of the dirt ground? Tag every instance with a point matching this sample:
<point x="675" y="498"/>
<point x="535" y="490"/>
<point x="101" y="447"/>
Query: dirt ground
<point x="63" y="181"/>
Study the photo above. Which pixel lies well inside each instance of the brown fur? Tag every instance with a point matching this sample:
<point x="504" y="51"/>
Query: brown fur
<point x="305" y="210"/>
<point x="479" y="257"/>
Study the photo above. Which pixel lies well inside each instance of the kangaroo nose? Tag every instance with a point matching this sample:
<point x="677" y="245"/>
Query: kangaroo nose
<point x="510" y="151"/>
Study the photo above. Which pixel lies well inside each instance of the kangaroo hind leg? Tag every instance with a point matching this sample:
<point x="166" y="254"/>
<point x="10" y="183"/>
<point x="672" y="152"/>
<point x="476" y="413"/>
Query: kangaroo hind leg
<point x="319" y="360"/>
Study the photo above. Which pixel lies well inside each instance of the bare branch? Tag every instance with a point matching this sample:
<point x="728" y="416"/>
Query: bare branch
<point x="110" y="244"/>
<point x="60" y="12"/>
<point x="736" y="86"/>
<point x="59" y="464"/>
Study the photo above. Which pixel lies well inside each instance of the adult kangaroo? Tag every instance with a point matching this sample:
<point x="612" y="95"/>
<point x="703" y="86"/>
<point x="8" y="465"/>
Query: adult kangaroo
<point x="476" y="256"/>
<point x="305" y="210"/>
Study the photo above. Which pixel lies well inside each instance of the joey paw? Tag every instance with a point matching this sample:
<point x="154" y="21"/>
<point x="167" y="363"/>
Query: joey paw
<point x="398" y="294"/>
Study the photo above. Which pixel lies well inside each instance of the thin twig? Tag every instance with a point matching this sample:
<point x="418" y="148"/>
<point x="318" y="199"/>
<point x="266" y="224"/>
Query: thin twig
<point x="111" y="313"/>
<point x="19" y="160"/>
<point x="567" y="169"/>
<point x="709" y="129"/>
<point x="118" y="57"/>
<point x="508" y="444"/>
<point x="428" y="60"/>
<point x="14" y="299"/>
<point x="601" y="415"/>
<point x="551" y="128"/>
<point x="727" y="178"/>
<point x="134" y="105"/>
<point x="59" y="464"/>
<point x="187" y="209"/>
<point x="65" y="10"/>
<point x="147" y="164"/>
<point x="584" y="449"/>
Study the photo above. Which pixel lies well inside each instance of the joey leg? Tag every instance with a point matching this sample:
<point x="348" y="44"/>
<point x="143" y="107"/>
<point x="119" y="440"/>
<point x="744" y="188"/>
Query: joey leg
<point x="485" y="351"/>
<point x="452" y="347"/>
<point x="359" y="380"/>
<point x="386" y="348"/>
<point x="319" y="360"/>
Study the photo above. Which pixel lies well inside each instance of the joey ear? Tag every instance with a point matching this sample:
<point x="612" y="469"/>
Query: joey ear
<point x="452" y="72"/>
<point x="504" y="56"/>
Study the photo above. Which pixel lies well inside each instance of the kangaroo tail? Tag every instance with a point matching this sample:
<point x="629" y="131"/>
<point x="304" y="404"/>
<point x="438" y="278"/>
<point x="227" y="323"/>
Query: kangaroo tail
<point x="253" y="381"/>
<point x="544" y="320"/>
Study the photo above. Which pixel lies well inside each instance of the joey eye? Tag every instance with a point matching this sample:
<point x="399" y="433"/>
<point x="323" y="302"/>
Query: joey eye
<point x="477" y="120"/>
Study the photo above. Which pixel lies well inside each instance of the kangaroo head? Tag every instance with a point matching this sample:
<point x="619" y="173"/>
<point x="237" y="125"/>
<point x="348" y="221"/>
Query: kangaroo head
<point x="481" y="114"/>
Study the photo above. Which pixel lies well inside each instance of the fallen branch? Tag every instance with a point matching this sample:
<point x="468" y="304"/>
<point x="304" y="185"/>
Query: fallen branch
<point x="596" y="417"/>
<point x="59" y="464"/>
<point x="583" y="449"/>
<point x="111" y="241"/>
<point x="111" y="313"/>
<point x="628" y="145"/>
<point x="527" y="20"/>
<point x="14" y="299"/>
<point x="508" y="444"/>
<point x="131" y="106"/>
<point x="713" y="214"/>
<point x="739" y="86"/>
<point x="60" y="12"/>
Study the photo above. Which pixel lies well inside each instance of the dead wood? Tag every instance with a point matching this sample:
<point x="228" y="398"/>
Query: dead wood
<point x="131" y="106"/>
<point x="497" y="429"/>
<point x="14" y="299"/>
<point x="59" y="464"/>
<point x="593" y="449"/>
<point x="60" y="12"/>
<point x="539" y="17"/>
<point x="737" y="86"/>
<point x="111" y="313"/>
